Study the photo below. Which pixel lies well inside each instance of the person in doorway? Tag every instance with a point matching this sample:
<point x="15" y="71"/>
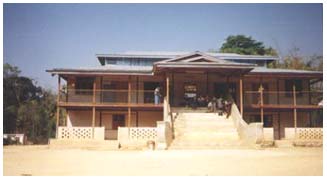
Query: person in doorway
<point x="194" y="102"/>
<point x="157" y="95"/>
<point x="220" y="106"/>
<point x="214" y="104"/>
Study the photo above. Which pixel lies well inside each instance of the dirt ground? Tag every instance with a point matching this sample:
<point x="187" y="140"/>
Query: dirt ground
<point x="40" y="160"/>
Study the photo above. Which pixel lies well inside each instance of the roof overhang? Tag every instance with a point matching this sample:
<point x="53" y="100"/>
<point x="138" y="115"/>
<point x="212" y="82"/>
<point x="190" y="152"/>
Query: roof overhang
<point x="86" y="72"/>
<point x="285" y="74"/>
<point x="201" y="62"/>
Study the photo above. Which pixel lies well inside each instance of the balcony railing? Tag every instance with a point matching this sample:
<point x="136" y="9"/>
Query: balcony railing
<point x="107" y="96"/>
<point x="300" y="98"/>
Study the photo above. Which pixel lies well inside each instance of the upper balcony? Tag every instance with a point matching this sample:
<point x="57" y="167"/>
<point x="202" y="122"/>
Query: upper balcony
<point x="283" y="99"/>
<point x="108" y="98"/>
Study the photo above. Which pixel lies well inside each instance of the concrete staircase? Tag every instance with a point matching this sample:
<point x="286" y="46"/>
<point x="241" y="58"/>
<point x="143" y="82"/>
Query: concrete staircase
<point x="199" y="130"/>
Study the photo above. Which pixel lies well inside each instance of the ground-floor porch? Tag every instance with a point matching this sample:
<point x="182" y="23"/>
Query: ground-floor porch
<point x="78" y="122"/>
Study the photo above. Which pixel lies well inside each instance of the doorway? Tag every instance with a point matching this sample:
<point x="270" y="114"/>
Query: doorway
<point x="118" y="120"/>
<point x="225" y="90"/>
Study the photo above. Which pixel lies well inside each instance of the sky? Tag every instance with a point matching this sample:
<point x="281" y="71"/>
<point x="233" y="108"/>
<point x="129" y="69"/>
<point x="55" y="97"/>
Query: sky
<point x="45" y="36"/>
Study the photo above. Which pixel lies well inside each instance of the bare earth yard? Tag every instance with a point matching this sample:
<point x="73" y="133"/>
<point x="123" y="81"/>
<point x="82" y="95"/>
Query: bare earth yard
<point x="40" y="160"/>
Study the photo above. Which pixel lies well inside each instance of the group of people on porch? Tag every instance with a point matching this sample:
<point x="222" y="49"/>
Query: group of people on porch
<point x="214" y="104"/>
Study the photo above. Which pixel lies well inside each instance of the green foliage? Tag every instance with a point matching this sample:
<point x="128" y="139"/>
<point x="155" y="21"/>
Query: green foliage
<point x="28" y="109"/>
<point x="241" y="44"/>
<point x="9" y="70"/>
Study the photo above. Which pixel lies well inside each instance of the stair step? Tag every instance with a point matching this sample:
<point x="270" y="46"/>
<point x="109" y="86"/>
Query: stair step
<point x="195" y="130"/>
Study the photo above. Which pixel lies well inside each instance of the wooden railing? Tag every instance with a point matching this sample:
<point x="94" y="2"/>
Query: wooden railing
<point x="283" y="98"/>
<point x="103" y="96"/>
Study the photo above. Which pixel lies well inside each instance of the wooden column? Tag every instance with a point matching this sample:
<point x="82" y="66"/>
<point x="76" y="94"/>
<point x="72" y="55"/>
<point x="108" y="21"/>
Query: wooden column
<point x="241" y="95"/>
<point x="101" y="87"/>
<point x="261" y="102"/>
<point x="66" y="120"/>
<point x="309" y="89"/>
<point x="137" y="89"/>
<point x="93" y="107"/>
<point x="294" y="109"/>
<point x="129" y="101"/>
<point x="100" y="118"/>
<point x="137" y="119"/>
<point x="207" y="83"/>
<point x="167" y="88"/>
<point x="173" y="88"/>
<point x="58" y="108"/>
<point x="277" y="91"/>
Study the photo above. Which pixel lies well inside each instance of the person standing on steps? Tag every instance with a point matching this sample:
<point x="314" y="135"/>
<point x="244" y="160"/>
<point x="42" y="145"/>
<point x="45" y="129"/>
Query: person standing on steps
<point x="157" y="95"/>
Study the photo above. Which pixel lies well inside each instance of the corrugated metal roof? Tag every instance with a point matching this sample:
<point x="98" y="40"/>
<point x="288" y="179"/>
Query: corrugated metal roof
<point x="148" y="70"/>
<point x="173" y="54"/>
<point x="272" y="70"/>
<point x="107" y="69"/>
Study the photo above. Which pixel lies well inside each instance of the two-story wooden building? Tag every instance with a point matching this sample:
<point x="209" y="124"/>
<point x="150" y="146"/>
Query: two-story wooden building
<point x="120" y="91"/>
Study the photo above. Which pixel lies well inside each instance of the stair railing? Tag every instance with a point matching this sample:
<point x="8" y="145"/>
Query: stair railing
<point x="165" y="127"/>
<point x="250" y="133"/>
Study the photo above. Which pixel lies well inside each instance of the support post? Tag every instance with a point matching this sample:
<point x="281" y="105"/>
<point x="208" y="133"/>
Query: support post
<point x="129" y="103"/>
<point x="207" y="83"/>
<point x="93" y="107"/>
<point x="309" y="89"/>
<point x="93" y="121"/>
<point x="137" y="89"/>
<point x="277" y="91"/>
<point x="94" y="91"/>
<point x="129" y="118"/>
<point x="58" y="108"/>
<point x="241" y="95"/>
<point x="66" y="119"/>
<point x="173" y="88"/>
<point x="167" y="88"/>
<point x="294" y="110"/>
<point x="261" y="102"/>
<point x="100" y="118"/>
<point x="101" y="87"/>
<point x="129" y="89"/>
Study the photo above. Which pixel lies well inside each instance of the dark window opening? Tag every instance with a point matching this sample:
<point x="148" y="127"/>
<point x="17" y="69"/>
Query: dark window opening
<point x="84" y="85"/>
<point x="111" y="61"/>
<point x="289" y="87"/>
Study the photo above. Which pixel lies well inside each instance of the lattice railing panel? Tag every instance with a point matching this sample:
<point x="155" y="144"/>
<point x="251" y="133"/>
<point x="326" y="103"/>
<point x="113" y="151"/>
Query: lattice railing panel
<point x="75" y="133"/>
<point x="143" y="133"/>
<point x="310" y="133"/>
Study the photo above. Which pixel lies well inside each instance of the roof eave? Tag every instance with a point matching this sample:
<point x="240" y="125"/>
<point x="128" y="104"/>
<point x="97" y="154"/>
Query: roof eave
<point x="288" y="74"/>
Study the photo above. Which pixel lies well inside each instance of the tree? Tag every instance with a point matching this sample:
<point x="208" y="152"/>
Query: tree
<point x="295" y="61"/>
<point x="241" y="44"/>
<point x="16" y="90"/>
<point x="315" y="62"/>
<point x="28" y="109"/>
